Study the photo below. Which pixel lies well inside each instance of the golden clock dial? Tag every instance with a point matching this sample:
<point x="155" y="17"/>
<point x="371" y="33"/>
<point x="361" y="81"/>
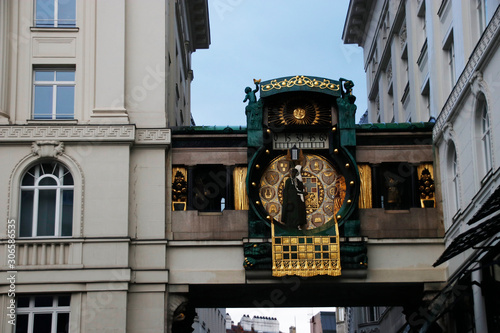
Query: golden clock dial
<point x="324" y="185"/>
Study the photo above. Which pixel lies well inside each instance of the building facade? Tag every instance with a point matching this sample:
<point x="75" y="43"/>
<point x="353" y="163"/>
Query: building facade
<point x="438" y="61"/>
<point x="88" y="93"/>
<point x="324" y="322"/>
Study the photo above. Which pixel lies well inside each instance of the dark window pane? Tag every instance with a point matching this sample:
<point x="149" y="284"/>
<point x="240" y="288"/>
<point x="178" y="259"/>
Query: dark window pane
<point x="49" y="168"/>
<point x="46" y="212"/>
<point x="23" y="301"/>
<point x="47" y="181"/>
<point x="44" y="301"/>
<point x="26" y="219"/>
<point x="43" y="323"/>
<point x="67" y="213"/>
<point x="28" y="179"/>
<point x="67" y="13"/>
<point x="65" y="105"/>
<point x="22" y="323"/>
<point x="64" y="300"/>
<point x="43" y="102"/>
<point x="62" y="323"/>
<point x="67" y="179"/>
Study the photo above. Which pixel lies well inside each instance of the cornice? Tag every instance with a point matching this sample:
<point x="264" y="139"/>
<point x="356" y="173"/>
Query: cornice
<point x="87" y="133"/>
<point x="480" y="53"/>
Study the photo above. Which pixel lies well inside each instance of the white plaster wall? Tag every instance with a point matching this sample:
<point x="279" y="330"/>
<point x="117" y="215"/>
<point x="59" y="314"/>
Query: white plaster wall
<point x="145" y="55"/>
<point x="106" y="172"/>
<point x="146" y="312"/>
<point x="104" y="312"/>
<point x="147" y="193"/>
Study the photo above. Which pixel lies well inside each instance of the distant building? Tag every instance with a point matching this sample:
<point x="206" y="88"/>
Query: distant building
<point x="210" y="320"/>
<point x="256" y="324"/>
<point x="324" y="322"/>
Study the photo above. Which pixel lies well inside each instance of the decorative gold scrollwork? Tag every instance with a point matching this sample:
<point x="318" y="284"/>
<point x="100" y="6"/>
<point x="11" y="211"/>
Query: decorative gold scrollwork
<point x="301" y="80"/>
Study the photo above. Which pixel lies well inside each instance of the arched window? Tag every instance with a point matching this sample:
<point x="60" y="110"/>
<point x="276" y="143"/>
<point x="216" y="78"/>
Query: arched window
<point x="485" y="137"/>
<point x="46" y="208"/>
<point x="454" y="178"/>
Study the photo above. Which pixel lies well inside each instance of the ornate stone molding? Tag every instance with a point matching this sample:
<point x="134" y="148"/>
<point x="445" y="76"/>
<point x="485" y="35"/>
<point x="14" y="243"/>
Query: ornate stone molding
<point x="480" y="52"/>
<point x="154" y="136"/>
<point x="67" y="133"/>
<point x="45" y="135"/>
<point x="47" y="148"/>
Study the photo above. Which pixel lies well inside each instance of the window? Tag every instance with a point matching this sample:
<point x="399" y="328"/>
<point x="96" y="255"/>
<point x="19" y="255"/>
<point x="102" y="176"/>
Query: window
<point x="486" y="137"/>
<point x="449" y="48"/>
<point x="210" y="188"/>
<point x="55" y="13"/>
<point x="392" y="187"/>
<point x="454" y="177"/>
<point x="481" y="11"/>
<point x="46" y="201"/>
<point x="43" y="313"/>
<point x="371" y="314"/>
<point x="54" y="94"/>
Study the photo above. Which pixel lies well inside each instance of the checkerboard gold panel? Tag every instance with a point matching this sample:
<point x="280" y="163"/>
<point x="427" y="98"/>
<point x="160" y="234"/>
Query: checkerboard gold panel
<point x="306" y="255"/>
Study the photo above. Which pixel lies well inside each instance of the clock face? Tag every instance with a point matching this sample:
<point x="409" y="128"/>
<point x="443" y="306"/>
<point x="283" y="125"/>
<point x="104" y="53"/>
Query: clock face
<point x="325" y="188"/>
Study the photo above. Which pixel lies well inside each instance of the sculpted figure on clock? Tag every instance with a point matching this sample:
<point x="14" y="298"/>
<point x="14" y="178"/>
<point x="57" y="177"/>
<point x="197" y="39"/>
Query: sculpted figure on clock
<point x="294" y="206"/>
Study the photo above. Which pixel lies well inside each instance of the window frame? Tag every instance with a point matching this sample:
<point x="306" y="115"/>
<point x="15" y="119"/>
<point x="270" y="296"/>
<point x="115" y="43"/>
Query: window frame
<point x="486" y="137"/>
<point x="455" y="179"/>
<point x="56" y="20"/>
<point x="54" y="85"/>
<point x="62" y="171"/>
<point x="31" y="310"/>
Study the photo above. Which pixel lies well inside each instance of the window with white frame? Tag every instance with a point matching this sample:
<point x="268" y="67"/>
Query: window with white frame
<point x="46" y="205"/>
<point x="43" y="313"/>
<point x="485" y="136"/>
<point x="54" y="94"/>
<point x="449" y="48"/>
<point x="55" y="13"/>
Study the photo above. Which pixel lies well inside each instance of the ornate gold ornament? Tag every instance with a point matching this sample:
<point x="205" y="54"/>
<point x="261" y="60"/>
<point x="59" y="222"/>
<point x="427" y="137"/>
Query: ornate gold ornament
<point x="301" y="80"/>
<point x="300" y="111"/>
<point x="306" y="255"/>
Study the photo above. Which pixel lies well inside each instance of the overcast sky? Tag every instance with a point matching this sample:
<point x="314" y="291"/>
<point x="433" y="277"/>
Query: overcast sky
<point x="267" y="40"/>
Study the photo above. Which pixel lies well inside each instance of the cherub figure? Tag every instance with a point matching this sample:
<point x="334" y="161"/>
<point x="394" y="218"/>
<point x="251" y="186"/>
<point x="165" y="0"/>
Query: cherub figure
<point x="250" y="94"/>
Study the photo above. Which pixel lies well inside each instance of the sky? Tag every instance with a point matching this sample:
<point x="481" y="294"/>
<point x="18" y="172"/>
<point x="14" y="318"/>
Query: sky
<point x="298" y="317"/>
<point x="259" y="39"/>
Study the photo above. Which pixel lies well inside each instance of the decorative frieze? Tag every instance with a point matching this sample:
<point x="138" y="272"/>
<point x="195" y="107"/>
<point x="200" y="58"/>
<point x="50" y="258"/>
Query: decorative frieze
<point x="67" y="133"/>
<point x="153" y="136"/>
<point x="88" y="133"/>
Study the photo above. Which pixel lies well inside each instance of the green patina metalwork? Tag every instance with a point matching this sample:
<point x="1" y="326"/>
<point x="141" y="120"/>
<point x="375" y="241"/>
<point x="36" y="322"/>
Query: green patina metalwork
<point x="210" y="129"/>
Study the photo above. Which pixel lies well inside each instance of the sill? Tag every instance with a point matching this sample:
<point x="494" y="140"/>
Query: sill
<point x="487" y="177"/>
<point x="457" y="215"/>
<point x="54" y="29"/>
<point x="209" y="213"/>
<point x="52" y="121"/>
<point x="397" y="211"/>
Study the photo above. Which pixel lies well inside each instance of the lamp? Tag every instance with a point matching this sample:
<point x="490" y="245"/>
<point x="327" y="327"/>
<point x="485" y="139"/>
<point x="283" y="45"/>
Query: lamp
<point x="295" y="153"/>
